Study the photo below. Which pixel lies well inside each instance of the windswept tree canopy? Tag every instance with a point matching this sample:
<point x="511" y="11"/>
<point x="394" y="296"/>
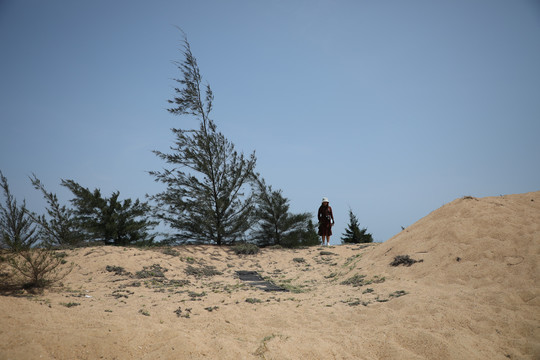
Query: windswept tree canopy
<point x="109" y="219"/>
<point x="59" y="227"/>
<point x="208" y="191"/>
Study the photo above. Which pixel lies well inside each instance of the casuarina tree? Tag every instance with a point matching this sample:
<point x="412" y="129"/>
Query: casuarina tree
<point x="59" y="227"/>
<point x="17" y="229"/>
<point x="109" y="219"/>
<point x="276" y="225"/>
<point x="35" y="261"/>
<point x="353" y="234"/>
<point x="208" y="193"/>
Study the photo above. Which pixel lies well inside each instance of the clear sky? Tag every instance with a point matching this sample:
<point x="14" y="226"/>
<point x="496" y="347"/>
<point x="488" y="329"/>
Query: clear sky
<point x="392" y="108"/>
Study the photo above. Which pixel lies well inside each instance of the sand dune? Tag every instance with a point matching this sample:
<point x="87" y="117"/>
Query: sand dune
<point x="474" y="295"/>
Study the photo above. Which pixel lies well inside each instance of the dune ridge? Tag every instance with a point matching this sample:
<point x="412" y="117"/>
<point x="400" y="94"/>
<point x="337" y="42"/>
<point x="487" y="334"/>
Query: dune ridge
<point x="474" y="295"/>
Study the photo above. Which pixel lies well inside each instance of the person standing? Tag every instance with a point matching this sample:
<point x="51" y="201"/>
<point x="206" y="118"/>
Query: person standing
<point x="326" y="220"/>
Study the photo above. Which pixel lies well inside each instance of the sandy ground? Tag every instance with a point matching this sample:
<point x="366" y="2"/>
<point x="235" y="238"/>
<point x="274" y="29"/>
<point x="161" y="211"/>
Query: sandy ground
<point x="474" y="295"/>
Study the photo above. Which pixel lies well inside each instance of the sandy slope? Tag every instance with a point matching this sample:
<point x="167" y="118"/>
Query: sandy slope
<point x="475" y="295"/>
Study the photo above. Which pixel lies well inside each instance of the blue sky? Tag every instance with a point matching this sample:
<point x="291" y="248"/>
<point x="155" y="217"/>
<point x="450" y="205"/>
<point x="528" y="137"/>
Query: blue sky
<point x="392" y="108"/>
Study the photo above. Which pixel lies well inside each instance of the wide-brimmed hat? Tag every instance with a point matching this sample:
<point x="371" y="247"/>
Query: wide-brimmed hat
<point x="325" y="199"/>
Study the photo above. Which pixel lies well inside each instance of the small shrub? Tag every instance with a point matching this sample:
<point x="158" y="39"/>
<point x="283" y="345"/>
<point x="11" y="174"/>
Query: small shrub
<point x="70" y="304"/>
<point x="356" y="280"/>
<point x="360" y="280"/>
<point x="195" y="295"/>
<point x="179" y="312"/>
<point x="357" y="302"/>
<point x="245" y="249"/>
<point x="40" y="266"/>
<point x="404" y="260"/>
<point x="178" y="283"/>
<point x="117" y="294"/>
<point x="398" y="293"/>
<point x="253" y="300"/>
<point x="117" y="270"/>
<point x="144" y="312"/>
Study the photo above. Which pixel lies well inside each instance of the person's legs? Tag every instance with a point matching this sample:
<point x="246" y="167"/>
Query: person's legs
<point x="324" y="237"/>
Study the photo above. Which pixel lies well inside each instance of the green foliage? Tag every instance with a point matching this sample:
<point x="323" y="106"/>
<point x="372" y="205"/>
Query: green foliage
<point x="109" y="219"/>
<point x="276" y="225"/>
<point x="17" y="229"/>
<point x="245" y="249"/>
<point x="353" y="234"/>
<point x="309" y="236"/>
<point x="60" y="228"/>
<point x="205" y="199"/>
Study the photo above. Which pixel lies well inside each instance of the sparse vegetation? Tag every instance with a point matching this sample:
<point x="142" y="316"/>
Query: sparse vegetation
<point x="360" y="280"/>
<point x="170" y="251"/>
<point x="203" y="271"/>
<point x="180" y="313"/>
<point x="195" y="295"/>
<point x="356" y="280"/>
<point x="122" y="293"/>
<point x="70" y="304"/>
<point x="356" y="302"/>
<point x="117" y="270"/>
<point x="151" y="271"/>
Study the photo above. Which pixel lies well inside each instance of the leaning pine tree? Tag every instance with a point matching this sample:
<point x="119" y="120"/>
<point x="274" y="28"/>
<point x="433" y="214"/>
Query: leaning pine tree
<point x="205" y="199"/>
<point x="353" y="234"/>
